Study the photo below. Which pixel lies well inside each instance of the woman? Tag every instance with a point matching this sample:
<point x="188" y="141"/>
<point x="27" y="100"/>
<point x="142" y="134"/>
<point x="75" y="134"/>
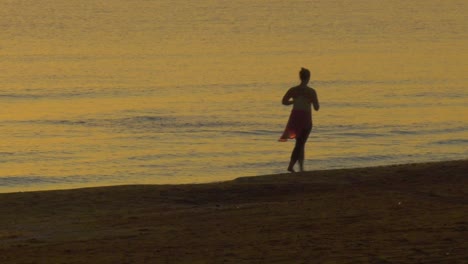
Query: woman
<point x="300" y="120"/>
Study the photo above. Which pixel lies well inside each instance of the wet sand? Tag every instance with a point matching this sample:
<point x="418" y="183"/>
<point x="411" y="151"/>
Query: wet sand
<point x="415" y="213"/>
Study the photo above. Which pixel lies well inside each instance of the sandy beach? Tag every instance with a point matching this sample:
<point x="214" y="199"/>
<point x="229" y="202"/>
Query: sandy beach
<point x="415" y="213"/>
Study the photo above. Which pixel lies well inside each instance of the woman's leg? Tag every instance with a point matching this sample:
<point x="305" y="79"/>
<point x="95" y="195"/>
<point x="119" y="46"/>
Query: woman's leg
<point x="294" y="155"/>
<point x="301" y="148"/>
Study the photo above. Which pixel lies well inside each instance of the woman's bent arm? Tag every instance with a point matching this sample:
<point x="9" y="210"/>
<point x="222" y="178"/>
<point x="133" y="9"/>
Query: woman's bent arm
<point x="286" y="98"/>
<point x="315" y="101"/>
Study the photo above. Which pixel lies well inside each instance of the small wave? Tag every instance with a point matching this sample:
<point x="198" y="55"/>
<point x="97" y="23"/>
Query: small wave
<point x="372" y="158"/>
<point x="144" y="119"/>
<point x="27" y="180"/>
<point x="256" y="132"/>
<point x="451" y="142"/>
<point x="352" y="161"/>
<point x="426" y="129"/>
<point x="45" y="95"/>
<point x="405" y="132"/>
<point x="327" y="83"/>
<point x="69" y="122"/>
<point x="64" y="93"/>
<point x="38" y="182"/>
<point x="21" y="96"/>
<point x="155" y="123"/>
<point x="360" y="135"/>
<point x="154" y="157"/>
<point x="62" y="122"/>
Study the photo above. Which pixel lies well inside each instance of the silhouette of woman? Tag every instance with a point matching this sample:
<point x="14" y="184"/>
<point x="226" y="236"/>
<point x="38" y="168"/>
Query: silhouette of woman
<point x="300" y="121"/>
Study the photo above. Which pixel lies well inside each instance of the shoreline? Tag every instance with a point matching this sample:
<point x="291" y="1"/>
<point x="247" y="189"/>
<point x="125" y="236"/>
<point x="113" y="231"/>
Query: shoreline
<point x="234" y="179"/>
<point x="406" y="213"/>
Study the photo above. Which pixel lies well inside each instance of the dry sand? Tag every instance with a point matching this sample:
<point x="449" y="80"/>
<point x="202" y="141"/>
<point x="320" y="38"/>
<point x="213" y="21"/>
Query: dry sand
<point x="415" y="213"/>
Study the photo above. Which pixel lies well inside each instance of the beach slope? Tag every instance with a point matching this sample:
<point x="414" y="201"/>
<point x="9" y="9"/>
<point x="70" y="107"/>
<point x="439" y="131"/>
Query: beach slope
<point x="415" y="213"/>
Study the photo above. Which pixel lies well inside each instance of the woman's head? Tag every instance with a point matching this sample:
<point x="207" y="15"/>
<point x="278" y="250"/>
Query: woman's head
<point x="304" y="74"/>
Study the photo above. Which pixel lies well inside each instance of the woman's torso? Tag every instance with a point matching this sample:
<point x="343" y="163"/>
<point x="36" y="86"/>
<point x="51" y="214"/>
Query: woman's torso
<point x="302" y="98"/>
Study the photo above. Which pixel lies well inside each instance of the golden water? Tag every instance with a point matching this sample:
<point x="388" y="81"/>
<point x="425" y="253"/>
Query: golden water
<point x="117" y="92"/>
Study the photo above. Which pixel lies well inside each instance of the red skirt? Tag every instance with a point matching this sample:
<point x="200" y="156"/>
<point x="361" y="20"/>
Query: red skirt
<point x="299" y="122"/>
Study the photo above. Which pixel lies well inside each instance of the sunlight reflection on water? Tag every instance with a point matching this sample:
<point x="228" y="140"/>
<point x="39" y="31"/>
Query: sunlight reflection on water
<point x="106" y="93"/>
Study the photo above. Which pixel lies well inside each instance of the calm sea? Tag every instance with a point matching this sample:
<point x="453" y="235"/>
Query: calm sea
<point x="161" y="91"/>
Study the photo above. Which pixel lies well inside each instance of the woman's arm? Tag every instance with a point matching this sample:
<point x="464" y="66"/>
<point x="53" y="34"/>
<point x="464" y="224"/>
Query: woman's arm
<point x="315" y="101"/>
<point x="286" y="98"/>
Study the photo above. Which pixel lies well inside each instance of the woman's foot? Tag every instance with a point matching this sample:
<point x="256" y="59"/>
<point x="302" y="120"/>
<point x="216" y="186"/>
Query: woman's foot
<point x="301" y="165"/>
<point x="290" y="169"/>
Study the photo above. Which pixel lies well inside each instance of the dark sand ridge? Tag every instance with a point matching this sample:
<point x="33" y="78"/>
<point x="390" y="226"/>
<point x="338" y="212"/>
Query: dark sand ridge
<point x="416" y="213"/>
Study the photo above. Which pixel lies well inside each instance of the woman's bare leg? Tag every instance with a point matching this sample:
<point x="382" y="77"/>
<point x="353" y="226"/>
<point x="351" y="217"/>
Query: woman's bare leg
<point x="296" y="154"/>
<point x="299" y="149"/>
